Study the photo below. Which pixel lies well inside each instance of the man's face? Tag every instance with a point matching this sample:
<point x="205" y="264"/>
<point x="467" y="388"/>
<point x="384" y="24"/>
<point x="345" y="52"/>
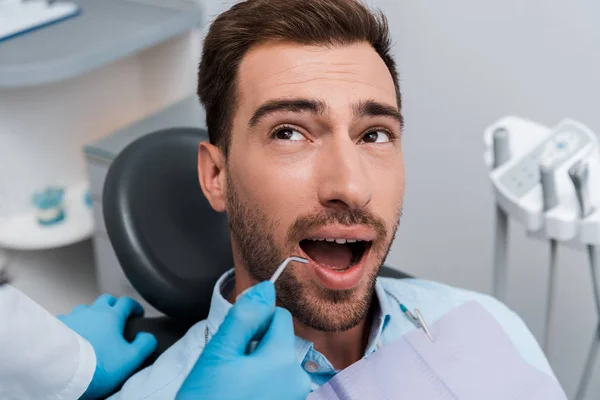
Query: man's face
<point x="315" y="156"/>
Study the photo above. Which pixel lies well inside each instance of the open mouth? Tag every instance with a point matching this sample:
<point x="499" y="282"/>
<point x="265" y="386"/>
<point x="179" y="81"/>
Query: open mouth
<point x="336" y="253"/>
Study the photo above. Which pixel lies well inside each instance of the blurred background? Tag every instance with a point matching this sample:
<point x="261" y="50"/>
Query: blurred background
<point x="74" y="93"/>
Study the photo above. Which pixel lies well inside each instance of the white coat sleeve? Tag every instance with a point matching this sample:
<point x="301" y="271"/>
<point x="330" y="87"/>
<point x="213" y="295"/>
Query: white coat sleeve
<point x="40" y="357"/>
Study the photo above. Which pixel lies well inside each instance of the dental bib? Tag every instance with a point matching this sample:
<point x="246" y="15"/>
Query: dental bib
<point x="471" y="358"/>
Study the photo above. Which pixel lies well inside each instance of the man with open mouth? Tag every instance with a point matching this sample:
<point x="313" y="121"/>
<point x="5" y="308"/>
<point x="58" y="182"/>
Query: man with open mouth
<point x="305" y="121"/>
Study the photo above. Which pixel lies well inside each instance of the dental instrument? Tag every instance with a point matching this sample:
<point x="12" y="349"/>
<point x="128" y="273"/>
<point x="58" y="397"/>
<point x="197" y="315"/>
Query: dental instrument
<point x="423" y="324"/>
<point x="419" y="321"/>
<point x="254" y="342"/>
<point x="279" y="270"/>
<point x="549" y="201"/>
<point x="283" y="266"/>
<point x="579" y="174"/>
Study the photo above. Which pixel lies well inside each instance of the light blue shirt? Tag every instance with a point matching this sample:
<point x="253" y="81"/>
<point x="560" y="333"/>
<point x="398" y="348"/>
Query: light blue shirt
<point x="163" y="379"/>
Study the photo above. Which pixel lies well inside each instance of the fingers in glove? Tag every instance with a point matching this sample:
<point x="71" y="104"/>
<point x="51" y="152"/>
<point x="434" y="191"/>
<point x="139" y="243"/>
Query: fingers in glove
<point x="280" y="335"/>
<point x="142" y="347"/>
<point x="250" y="314"/>
<point x="127" y="307"/>
<point x="105" y="300"/>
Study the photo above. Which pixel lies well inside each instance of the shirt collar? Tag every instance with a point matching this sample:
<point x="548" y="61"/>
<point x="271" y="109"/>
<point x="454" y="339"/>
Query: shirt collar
<point x="381" y="318"/>
<point x="219" y="307"/>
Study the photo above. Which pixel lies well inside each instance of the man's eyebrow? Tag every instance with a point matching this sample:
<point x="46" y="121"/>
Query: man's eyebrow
<point x="290" y="105"/>
<point x="372" y="108"/>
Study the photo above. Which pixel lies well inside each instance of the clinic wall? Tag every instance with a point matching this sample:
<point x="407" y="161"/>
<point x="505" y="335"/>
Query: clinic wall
<point x="463" y="65"/>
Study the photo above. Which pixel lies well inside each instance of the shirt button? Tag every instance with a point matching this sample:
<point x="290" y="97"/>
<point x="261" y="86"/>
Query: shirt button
<point x="311" y="366"/>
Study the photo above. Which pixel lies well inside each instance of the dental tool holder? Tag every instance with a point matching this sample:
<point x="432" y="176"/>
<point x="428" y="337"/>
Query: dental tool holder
<point x="530" y="166"/>
<point x="517" y="181"/>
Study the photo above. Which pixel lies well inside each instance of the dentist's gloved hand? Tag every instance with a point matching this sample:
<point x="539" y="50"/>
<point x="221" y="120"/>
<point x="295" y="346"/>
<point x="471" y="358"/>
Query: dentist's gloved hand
<point x="102" y="324"/>
<point x="225" y="372"/>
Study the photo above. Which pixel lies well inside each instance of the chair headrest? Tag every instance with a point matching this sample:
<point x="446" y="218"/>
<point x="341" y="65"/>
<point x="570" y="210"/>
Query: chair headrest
<point x="170" y="243"/>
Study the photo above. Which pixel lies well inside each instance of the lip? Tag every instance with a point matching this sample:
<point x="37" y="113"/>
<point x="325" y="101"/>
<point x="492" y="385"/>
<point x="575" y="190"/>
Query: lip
<point x="336" y="280"/>
<point x="356" y="232"/>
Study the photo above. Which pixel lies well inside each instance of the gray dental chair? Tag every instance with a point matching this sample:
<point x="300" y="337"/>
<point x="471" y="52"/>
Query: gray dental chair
<point x="170" y="243"/>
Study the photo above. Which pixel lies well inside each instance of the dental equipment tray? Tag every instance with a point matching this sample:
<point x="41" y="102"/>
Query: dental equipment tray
<point x="517" y="186"/>
<point x="564" y="142"/>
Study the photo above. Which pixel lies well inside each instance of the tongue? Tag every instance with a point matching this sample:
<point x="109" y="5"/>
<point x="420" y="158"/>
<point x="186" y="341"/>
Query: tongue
<point x="329" y="254"/>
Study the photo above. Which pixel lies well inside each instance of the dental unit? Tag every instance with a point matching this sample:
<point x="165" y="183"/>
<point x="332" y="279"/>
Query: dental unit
<point x="548" y="180"/>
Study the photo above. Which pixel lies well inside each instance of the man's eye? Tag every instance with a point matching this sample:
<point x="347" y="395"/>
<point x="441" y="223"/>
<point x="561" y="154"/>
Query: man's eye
<point x="379" y="136"/>
<point x="288" y="134"/>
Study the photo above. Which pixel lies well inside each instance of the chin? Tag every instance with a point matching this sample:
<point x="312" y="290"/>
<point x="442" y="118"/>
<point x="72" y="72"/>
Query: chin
<point x="326" y="309"/>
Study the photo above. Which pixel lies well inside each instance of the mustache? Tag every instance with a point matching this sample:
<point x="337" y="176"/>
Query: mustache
<point x="309" y="222"/>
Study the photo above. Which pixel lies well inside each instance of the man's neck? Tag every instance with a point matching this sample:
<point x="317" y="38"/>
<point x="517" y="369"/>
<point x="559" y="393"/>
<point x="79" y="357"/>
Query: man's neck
<point x="342" y="349"/>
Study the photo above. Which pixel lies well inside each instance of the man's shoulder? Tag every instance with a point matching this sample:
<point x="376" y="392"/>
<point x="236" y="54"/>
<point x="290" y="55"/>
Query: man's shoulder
<point x="163" y="379"/>
<point x="436" y="299"/>
<point x="438" y="295"/>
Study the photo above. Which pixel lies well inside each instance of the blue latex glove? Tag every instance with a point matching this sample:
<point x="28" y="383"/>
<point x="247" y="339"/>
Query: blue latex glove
<point x="225" y="372"/>
<point x="102" y="324"/>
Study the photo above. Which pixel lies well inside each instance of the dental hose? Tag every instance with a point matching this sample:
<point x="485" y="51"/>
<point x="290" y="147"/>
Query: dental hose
<point x="550" y="295"/>
<point x="579" y="176"/>
<point x="595" y="347"/>
<point x="500" y="253"/>
<point x="501" y="155"/>
<point x="591" y="250"/>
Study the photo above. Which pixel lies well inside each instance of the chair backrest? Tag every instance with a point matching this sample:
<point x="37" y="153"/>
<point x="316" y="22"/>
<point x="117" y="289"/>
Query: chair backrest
<point x="170" y="243"/>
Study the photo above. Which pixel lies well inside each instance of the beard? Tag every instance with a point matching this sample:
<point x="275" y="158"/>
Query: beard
<point x="319" y="308"/>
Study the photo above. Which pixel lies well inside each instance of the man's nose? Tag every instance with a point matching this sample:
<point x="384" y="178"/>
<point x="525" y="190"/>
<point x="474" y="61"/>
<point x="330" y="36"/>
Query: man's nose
<point x="342" y="176"/>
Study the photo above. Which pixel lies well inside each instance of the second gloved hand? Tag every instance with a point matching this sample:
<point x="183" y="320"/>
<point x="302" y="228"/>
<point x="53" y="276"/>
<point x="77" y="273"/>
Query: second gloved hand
<point x="102" y="325"/>
<point x="225" y="371"/>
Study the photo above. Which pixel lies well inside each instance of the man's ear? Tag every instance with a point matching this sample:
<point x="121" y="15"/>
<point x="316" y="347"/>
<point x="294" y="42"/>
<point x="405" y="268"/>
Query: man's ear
<point x="211" y="173"/>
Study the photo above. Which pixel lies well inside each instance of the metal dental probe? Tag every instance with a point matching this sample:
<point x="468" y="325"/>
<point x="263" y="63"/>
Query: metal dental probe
<point x="254" y="343"/>
<point x="284" y="264"/>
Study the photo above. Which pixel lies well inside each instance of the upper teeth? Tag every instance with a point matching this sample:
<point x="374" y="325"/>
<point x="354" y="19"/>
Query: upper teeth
<point x="337" y="240"/>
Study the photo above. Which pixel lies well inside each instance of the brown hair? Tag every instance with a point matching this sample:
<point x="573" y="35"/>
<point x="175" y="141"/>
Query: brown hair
<point x="307" y="22"/>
